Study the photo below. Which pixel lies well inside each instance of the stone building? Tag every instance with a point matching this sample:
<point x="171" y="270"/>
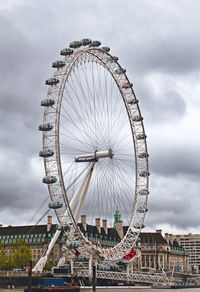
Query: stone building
<point x="156" y="252"/>
<point x="191" y="244"/>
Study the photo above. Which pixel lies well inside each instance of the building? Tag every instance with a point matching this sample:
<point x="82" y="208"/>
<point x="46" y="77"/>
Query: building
<point x="156" y="252"/>
<point x="191" y="243"/>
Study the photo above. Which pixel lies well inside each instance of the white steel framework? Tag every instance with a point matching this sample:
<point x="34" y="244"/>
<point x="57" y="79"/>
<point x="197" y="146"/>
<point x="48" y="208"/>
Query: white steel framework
<point x="89" y="94"/>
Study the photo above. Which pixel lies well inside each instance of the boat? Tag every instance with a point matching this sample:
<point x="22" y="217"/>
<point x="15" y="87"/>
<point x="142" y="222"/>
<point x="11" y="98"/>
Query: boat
<point x="54" y="285"/>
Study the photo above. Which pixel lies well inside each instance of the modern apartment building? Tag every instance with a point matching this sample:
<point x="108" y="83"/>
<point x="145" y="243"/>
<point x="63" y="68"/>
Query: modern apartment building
<point x="191" y="244"/>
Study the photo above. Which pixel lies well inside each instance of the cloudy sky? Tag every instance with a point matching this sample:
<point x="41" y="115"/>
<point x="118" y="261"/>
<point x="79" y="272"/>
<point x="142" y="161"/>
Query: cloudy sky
<point x="158" y="42"/>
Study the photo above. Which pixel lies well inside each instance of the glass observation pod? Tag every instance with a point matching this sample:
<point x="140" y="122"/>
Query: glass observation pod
<point x="51" y="179"/>
<point x="112" y="59"/>
<point x="45" y="127"/>
<point x="46" y="153"/>
<point x="120" y="71"/>
<point x="66" y="52"/>
<point x="95" y="44"/>
<point x="132" y="101"/>
<point x="143" y="192"/>
<point x="137" y="118"/>
<point x="55" y="205"/>
<point x="72" y="244"/>
<point x="143" y="155"/>
<point x="86" y="42"/>
<point x="63" y="227"/>
<point x="75" y="44"/>
<point x="47" y="102"/>
<point x="82" y="258"/>
<point x="142" y="210"/>
<point x="144" y="173"/>
<point x="113" y="267"/>
<point x="127" y="85"/>
<point x="52" y="81"/>
<point x="107" y="49"/>
<point x="137" y="226"/>
<point x="58" y="64"/>
<point x="141" y="136"/>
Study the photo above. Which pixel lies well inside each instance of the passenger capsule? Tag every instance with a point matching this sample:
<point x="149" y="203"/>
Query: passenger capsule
<point x="66" y="52"/>
<point x="52" y="81"/>
<point x="45" y="127"/>
<point x="107" y="49"/>
<point x="47" y="102"/>
<point x="141" y="136"/>
<point x="143" y="192"/>
<point x="115" y="58"/>
<point x="55" y="205"/>
<point x="82" y="258"/>
<point x="143" y="155"/>
<point x="144" y="173"/>
<point x="86" y="42"/>
<point x="132" y="101"/>
<point x="120" y="71"/>
<point x="58" y="64"/>
<point x="95" y="44"/>
<point x="142" y="210"/>
<point x="112" y="59"/>
<point x="137" y="118"/>
<point x="51" y="179"/>
<point x="75" y="44"/>
<point x="113" y="267"/>
<point x="137" y="226"/>
<point x="72" y="244"/>
<point x="46" y="153"/>
<point x="127" y="85"/>
<point x="63" y="227"/>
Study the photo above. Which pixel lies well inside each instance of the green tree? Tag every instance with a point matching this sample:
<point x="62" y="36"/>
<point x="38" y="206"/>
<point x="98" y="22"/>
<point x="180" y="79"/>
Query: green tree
<point x="21" y="257"/>
<point x="49" y="265"/>
<point x="21" y="254"/>
<point x="3" y="258"/>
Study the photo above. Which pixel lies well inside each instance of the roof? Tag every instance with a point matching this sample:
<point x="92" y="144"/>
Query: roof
<point x="27" y="229"/>
<point x="152" y="238"/>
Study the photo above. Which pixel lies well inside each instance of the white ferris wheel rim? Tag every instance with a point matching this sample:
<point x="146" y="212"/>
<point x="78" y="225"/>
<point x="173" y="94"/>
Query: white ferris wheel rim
<point x="51" y="139"/>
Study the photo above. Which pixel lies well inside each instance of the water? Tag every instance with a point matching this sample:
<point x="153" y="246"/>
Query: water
<point x="120" y="289"/>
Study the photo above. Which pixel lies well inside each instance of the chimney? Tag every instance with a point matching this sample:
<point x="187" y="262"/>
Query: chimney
<point x="83" y="222"/>
<point x="97" y="220"/>
<point x="119" y="228"/>
<point x="104" y="225"/>
<point x="167" y="237"/>
<point x="49" y="223"/>
<point x="159" y="231"/>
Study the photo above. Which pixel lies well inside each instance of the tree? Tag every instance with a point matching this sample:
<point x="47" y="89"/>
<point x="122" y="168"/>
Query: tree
<point x="49" y="265"/>
<point x="21" y="256"/>
<point x="3" y="260"/>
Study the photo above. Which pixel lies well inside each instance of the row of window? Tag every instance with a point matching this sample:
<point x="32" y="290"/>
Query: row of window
<point x="36" y="235"/>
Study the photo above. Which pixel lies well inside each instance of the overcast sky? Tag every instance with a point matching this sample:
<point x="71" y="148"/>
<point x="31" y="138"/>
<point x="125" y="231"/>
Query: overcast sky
<point x="158" y="42"/>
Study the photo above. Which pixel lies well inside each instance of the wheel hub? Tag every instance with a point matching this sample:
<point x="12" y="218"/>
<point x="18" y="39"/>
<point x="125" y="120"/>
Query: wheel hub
<point x="94" y="156"/>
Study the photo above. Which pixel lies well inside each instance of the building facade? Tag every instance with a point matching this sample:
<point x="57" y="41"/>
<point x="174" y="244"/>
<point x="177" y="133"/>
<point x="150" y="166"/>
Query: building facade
<point x="191" y="244"/>
<point x="156" y="252"/>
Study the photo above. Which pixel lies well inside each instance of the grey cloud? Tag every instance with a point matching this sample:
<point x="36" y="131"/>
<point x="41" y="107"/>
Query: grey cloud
<point x="150" y="38"/>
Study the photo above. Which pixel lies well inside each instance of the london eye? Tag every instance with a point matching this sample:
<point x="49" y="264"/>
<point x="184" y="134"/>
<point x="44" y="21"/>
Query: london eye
<point x="94" y="147"/>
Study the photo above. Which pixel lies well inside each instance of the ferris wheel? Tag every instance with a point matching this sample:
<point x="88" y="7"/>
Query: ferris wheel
<point x="94" y="146"/>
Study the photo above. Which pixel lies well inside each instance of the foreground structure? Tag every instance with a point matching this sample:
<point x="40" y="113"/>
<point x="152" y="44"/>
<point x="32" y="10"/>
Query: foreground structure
<point x="157" y="253"/>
